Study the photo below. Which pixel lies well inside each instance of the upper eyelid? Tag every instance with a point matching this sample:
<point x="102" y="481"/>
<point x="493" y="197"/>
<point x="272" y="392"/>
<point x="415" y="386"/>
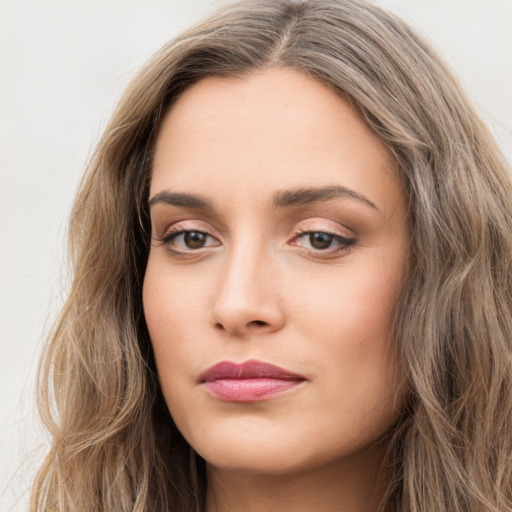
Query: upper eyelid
<point x="176" y="227"/>
<point x="315" y="224"/>
<point x="328" y="230"/>
<point x="164" y="216"/>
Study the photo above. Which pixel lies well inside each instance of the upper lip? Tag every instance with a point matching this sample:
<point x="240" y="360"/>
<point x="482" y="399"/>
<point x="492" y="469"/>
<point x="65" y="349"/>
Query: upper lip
<point x="251" y="369"/>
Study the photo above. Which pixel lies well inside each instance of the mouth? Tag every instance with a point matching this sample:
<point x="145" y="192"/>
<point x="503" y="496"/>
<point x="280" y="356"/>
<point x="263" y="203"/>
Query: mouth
<point x="251" y="381"/>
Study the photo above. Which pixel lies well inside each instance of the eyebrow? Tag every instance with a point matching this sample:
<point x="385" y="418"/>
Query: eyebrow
<point x="181" y="199"/>
<point x="281" y="199"/>
<point x="301" y="196"/>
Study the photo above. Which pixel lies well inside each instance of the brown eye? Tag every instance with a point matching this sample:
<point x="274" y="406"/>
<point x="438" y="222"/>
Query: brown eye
<point x="189" y="241"/>
<point x="322" y="243"/>
<point x="319" y="240"/>
<point x="194" y="239"/>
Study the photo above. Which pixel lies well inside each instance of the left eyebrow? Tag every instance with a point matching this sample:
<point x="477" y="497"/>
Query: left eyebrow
<point x="301" y="196"/>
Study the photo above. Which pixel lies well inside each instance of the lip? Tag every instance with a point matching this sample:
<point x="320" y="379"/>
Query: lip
<point x="250" y="381"/>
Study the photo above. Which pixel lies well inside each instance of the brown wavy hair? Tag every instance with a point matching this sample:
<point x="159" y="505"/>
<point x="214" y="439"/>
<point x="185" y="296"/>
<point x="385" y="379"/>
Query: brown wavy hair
<point x="114" y="444"/>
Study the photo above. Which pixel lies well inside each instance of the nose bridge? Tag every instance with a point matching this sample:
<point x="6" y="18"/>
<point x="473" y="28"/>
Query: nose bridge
<point x="247" y="297"/>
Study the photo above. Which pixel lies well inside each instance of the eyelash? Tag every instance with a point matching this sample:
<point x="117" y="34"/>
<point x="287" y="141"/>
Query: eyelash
<point x="174" y="233"/>
<point x="343" y="243"/>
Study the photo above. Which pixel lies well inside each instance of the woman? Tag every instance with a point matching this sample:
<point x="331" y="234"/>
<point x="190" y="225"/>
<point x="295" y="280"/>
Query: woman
<point x="292" y="289"/>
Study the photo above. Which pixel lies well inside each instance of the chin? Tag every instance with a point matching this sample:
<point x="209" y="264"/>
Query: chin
<point x="261" y="448"/>
<point x="260" y="459"/>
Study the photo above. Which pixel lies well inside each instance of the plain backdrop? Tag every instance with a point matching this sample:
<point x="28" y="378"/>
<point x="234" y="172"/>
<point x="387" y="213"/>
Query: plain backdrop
<point x="63" y="64"/>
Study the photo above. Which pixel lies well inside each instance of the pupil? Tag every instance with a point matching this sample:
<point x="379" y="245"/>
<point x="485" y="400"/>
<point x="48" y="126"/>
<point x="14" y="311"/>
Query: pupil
<point x="320" y="240"/>
<point x="195" y="239"/>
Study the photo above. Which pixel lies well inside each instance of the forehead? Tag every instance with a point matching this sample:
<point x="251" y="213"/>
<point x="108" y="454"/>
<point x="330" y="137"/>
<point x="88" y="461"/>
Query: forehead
<point x="269" y="130"/>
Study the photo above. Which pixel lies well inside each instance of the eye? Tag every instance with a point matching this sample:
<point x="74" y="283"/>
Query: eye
<point x="191" y="239"/>
<point x="322" y="242"/>
<point x="182" y="241"/>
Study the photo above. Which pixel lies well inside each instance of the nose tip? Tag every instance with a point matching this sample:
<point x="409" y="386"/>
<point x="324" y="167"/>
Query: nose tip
<point x="247" y="302"/>
<point x="243" y="316"/>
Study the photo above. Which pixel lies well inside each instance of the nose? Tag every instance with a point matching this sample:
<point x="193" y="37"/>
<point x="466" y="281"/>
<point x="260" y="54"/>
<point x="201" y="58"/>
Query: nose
<point x="248" y="298"/>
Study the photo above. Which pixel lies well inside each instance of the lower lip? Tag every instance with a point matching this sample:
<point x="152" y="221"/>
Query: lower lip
<point x="249" y="390"/>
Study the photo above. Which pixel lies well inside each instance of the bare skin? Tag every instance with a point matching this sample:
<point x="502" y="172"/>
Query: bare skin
<point x="353" y="487"/>
<point x="279" y="236"/>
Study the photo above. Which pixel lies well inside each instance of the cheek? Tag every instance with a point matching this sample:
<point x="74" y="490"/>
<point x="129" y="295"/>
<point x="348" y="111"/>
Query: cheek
<point x="356" y="304"/>
<point x="169" y="310"/>
<point x="170" y="301"/>
<point x="349" y="319"/>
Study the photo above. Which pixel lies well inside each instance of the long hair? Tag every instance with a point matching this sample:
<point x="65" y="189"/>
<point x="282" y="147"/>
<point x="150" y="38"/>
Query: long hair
<point x="114" y="444"/>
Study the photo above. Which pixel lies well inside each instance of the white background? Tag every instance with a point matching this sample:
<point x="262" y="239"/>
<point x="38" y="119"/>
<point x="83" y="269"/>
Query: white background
<point x="63" y="63"/>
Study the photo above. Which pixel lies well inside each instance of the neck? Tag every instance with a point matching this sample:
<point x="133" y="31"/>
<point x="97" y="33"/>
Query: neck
<point x="350" y="485"/>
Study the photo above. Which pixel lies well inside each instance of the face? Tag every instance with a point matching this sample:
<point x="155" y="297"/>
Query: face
<point x="279" y="241"/>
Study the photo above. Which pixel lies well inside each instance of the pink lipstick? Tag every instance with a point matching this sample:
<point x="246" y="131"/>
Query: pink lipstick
<point x="247" y="382"/>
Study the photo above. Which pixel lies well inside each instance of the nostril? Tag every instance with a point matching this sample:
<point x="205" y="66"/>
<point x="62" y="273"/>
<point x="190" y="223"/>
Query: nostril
<point x="254" y="323"/>
<point x="258" y="322"/>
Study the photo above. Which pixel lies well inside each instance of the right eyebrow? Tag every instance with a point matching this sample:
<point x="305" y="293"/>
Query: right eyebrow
<point x="182" y="200"/>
